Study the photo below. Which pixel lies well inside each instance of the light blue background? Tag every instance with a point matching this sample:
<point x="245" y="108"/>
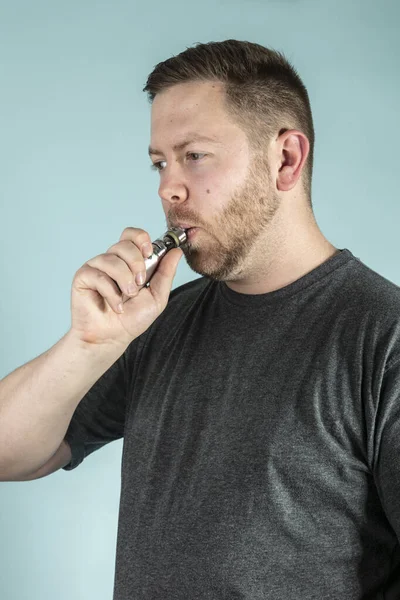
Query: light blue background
<point x="74" y="131"/>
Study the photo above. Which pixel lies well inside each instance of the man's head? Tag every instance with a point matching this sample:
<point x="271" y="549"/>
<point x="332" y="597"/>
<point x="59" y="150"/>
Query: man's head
<point x="254" y="109"/>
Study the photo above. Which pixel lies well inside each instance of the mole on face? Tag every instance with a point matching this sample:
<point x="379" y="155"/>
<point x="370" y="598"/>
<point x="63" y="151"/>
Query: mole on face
<point x="208" y="191"/>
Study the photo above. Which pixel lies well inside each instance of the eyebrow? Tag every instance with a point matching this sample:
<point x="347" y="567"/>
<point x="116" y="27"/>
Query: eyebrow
<point x="182" y="145"/>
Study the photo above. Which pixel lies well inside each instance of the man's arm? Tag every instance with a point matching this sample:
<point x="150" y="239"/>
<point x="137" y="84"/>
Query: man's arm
<point x="37" y="402"/>
<point x="386" y="445"/>
<point x="61" y="458"/>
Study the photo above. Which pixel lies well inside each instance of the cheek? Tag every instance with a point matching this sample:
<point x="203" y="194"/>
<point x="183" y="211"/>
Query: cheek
<point x="211" y="183"/>
<point x="225" y="180"/>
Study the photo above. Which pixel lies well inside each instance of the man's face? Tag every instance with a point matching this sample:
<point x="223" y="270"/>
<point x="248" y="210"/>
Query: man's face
<point x="217" y="186"/>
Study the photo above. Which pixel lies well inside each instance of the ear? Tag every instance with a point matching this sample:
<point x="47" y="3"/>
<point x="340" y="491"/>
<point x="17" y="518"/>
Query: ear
<point x="292" y="148"/>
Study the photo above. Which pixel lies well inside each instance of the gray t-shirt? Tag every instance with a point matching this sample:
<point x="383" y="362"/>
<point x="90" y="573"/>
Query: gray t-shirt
<point x="261" y="455"/>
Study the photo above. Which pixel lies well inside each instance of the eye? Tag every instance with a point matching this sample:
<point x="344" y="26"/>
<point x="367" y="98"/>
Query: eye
<point x="195" y="158"/>
<point x="195" y="154"/>
<point x="157" y="165"/>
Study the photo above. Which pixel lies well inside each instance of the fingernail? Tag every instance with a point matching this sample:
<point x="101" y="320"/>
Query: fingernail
<point x="140" y="278"/>
<point x="147" y="250"/>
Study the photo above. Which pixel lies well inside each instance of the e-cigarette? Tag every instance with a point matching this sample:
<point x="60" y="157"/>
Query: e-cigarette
<point x="172" y="238"/>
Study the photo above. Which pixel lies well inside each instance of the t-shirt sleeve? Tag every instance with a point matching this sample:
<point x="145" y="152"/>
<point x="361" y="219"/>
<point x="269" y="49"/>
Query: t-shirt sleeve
<point x="387" y="446"/>
<point x="99" y="417"/>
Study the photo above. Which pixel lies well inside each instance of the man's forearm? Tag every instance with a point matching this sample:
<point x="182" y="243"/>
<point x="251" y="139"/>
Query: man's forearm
<point x="38" y="399"/>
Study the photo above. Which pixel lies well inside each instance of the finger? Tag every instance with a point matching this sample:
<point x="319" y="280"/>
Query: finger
<point x="103" y="287"/>
<point x="139" y="237"/>
<point x="117" y="269"/>
<point x="130" y="254"/>
<point x="161" y="281"/>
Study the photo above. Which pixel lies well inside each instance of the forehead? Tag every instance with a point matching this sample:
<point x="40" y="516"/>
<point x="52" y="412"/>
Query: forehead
<point x="192" y="106"/>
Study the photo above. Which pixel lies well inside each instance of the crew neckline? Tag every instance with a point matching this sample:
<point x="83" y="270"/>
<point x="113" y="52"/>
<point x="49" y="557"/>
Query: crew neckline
<point x="253" y="300"/>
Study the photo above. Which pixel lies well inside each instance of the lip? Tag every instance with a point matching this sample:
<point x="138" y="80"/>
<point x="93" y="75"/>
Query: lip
<point x="192" y="231"/>
<point x="185" y="226"/>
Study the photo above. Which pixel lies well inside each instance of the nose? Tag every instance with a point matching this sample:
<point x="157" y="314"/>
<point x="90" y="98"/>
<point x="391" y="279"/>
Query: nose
<point x="172" y="188"/>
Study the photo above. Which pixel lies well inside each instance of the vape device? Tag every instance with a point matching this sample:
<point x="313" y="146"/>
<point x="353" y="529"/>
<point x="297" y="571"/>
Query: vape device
<point x="172" y="238"/>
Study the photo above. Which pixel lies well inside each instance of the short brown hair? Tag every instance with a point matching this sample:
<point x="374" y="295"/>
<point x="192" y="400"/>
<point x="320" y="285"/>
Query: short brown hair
<point x="265" y="94"/>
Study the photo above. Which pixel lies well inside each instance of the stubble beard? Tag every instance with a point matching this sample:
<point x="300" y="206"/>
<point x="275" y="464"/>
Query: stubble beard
<point x="244" y="220"/>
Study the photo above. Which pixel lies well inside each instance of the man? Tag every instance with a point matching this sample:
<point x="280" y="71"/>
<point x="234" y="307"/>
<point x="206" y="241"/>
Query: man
<point x="260" y="409"/>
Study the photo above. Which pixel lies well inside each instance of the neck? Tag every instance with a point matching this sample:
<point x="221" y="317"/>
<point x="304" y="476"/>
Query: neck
<point x="292" y="246"/>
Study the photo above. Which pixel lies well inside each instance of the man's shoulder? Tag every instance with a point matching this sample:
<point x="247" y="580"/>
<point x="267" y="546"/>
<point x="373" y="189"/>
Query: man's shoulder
<point x="371" y="289"/>
<point x="369" y="306"/>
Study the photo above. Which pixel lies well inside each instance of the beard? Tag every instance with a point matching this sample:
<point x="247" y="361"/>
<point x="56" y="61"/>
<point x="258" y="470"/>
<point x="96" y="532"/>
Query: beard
<point x="219" y="252"/>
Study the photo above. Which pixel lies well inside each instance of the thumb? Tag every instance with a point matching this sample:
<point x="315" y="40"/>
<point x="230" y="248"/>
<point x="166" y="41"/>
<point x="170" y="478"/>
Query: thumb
<point x="162" y="279"/>
<point x="173" y="256"/>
